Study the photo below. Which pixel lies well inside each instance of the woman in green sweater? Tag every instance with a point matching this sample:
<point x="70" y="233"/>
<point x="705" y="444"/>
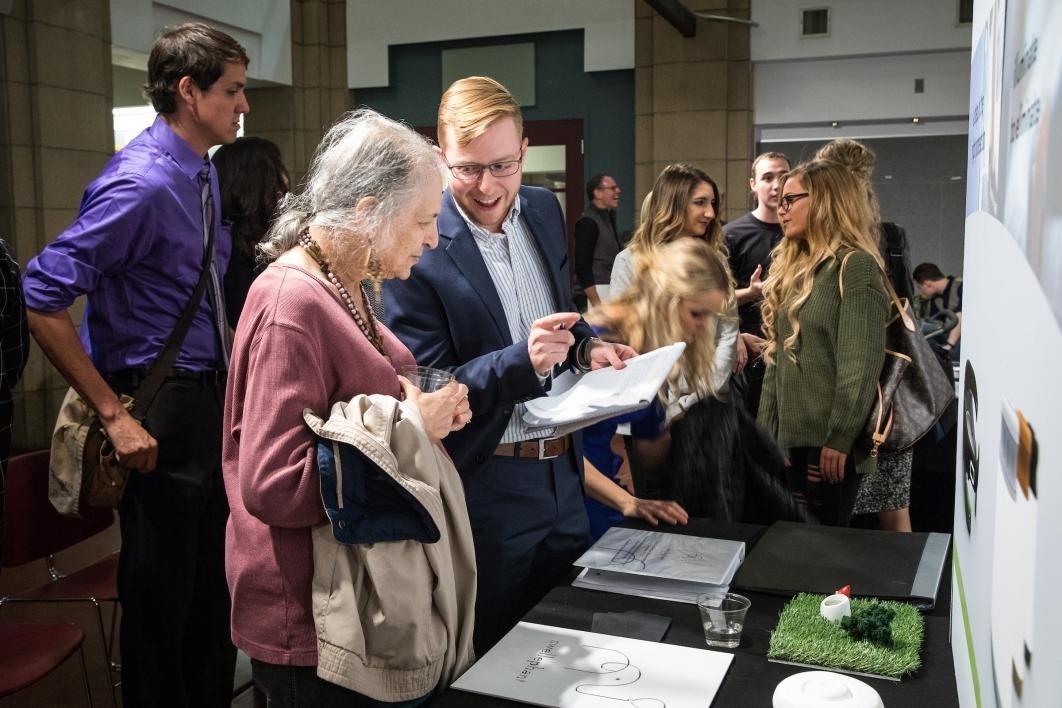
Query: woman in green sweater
<point x="825" y="346"/>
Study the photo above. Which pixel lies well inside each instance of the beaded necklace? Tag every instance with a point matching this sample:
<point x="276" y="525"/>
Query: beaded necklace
<point x="367" y="328"/>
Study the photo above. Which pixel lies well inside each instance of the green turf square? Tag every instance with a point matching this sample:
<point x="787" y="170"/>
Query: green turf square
<point x="804" y="637"/>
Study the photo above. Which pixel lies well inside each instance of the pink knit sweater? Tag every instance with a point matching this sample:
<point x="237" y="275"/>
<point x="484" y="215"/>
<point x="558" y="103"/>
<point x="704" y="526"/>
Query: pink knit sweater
<point x="296" y="347"/>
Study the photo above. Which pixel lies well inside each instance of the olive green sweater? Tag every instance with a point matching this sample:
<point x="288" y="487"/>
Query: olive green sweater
<point x="823" y="399"/>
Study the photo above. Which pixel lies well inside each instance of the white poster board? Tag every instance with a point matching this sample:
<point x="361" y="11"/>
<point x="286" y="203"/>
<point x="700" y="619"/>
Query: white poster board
<point x="563" y="668"/>
<point x="1006" y="618"/>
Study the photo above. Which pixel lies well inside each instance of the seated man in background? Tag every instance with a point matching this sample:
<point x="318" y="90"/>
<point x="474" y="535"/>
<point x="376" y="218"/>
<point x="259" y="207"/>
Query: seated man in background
<point x="940" y="292"/>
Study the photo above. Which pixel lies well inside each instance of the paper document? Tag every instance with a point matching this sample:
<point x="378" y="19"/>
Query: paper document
<point x="663" y="565"/>
<point x="578" y="400"/>
<point x="552" y="666"/>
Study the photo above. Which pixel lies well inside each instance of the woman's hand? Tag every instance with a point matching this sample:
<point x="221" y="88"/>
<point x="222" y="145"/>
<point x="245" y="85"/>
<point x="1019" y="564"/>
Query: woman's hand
<point x="742" y="356"/>
<point x="624" y="478"/>
<point x="653" y="511"/>
<point x="831" y="464"/>
<point x="443" y="411"/>
<point x="753" y="344"/>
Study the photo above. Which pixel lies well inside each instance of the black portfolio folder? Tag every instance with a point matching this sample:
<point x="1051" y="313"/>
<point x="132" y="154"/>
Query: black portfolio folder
<point x="792" y="557"/>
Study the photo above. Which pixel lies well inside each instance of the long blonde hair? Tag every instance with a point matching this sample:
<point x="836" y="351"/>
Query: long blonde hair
<point x="646" y="314"/>
<point x="839" y="219"/>
<point x="666" y="215"/>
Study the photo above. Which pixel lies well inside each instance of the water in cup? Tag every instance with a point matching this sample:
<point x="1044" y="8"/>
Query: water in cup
<point x="723" y="618"/>
<point x="726" y="635"/>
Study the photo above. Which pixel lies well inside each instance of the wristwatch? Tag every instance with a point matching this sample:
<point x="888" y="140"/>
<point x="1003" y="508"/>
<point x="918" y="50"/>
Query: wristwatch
<point x="582" y="354"/>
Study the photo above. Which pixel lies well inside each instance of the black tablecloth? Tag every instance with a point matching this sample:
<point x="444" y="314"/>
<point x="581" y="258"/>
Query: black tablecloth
<point x="751" y="679"/>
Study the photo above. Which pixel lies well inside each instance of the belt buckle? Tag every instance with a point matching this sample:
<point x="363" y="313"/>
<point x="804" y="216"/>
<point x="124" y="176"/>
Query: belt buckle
<point x="542" y="449"/>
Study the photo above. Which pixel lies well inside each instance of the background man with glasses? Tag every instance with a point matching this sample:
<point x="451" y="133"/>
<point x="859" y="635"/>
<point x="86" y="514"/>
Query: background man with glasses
<point x="596" y="239"/>
<point x="493" y="304"/>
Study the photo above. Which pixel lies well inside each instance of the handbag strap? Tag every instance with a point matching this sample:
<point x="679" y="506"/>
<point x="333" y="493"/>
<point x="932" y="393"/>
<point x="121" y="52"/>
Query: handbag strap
<point x="901" y="308"/>
<point x="160" y="369"/>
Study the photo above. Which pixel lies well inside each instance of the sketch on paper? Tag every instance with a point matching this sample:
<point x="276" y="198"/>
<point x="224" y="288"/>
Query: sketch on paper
<point x="557" y="667"/>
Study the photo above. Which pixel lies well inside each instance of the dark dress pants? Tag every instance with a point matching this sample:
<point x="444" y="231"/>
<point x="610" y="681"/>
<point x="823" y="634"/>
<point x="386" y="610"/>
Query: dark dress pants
<point x="831" y="503"/>
<point x="529" y="524"/>
<point x="176" y="647"/>
<point x="749" y="385"/>
<point x="301" y="687"/>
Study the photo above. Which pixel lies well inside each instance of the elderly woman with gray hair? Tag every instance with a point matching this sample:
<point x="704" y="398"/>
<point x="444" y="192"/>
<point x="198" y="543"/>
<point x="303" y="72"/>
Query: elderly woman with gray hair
<point x="327" y="613"/>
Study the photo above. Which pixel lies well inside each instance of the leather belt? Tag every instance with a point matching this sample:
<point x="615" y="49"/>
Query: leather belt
<point x="540" y="449"/>
<point x="136" y="375"/>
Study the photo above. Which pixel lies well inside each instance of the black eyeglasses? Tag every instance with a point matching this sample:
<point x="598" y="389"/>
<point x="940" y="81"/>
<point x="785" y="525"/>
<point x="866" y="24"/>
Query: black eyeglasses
<point x="471" y="173"/>
<point x="787" y="200"/>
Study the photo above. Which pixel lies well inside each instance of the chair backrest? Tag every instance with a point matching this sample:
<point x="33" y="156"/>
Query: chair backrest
<point x="33" y="528"/>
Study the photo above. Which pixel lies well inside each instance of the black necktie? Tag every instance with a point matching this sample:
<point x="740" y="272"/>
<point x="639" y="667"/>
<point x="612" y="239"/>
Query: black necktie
<point x="217" y="296"/>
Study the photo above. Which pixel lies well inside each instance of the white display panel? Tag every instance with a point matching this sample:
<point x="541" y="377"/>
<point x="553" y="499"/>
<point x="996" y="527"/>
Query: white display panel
<point x="1007" y="623"/>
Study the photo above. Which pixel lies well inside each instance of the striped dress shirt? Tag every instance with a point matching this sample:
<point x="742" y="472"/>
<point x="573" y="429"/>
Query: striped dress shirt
<point x="515" y="265"/>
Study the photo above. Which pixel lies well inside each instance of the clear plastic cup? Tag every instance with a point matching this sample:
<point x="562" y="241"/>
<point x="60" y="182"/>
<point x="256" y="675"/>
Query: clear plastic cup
<point x="723" y="618"/>
<point x="426" y="378"/>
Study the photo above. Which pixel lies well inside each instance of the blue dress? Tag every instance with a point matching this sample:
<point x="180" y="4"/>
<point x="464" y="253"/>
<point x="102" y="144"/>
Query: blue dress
<point x="647" y="423"/>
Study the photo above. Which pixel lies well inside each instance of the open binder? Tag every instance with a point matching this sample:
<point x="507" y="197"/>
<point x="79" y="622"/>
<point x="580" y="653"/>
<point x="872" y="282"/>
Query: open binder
<point x="656" y="564"/>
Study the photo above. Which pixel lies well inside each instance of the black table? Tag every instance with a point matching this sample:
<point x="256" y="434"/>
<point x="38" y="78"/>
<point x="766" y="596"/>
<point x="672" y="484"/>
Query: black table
<point x="752" y="678"/>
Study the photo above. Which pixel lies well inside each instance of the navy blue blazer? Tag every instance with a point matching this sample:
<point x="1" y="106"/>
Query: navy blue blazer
<point x="450" y="316"/>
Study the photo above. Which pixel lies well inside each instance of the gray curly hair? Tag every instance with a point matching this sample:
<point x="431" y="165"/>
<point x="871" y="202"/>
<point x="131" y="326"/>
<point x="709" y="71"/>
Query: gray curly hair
<point x="365" y="154"/>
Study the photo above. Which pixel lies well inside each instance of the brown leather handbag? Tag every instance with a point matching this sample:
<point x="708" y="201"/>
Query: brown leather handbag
<point x="913" y="391"/>
<point x="84" y="469"/>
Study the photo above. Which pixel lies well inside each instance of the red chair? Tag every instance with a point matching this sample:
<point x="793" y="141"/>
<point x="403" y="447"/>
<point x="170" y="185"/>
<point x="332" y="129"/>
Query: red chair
<point x="36" y="531"/>
<point x="29" y="652"/>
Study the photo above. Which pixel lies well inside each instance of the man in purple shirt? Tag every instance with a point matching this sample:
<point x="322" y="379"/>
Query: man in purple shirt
<point x="136" y="251"/>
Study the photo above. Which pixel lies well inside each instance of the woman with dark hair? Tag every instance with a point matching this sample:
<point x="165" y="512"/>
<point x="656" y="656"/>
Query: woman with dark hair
<point x="252" y="179"/>
<point x="824" y="313"/>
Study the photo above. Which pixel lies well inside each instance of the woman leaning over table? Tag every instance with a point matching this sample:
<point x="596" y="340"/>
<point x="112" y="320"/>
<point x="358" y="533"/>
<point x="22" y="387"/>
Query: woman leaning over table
<point x="676" y="295"/>
<point x="824" y="349"/>
<point x="306" y="340"/>
<point x="705" y="470"/>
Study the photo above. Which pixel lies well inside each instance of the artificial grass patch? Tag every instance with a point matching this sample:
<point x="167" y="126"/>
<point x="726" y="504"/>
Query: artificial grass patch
<point x="804" y="637"/>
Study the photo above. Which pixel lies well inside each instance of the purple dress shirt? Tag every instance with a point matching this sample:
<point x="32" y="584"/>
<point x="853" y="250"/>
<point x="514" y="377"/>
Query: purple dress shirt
<point x="136" y="251"/>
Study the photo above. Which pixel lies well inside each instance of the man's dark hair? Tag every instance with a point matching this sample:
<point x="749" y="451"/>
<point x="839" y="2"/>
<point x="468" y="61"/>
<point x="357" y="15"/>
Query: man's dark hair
<point x="927" y="271"/>
<point x="593" y="184"/>
<point x="193" y="49"/>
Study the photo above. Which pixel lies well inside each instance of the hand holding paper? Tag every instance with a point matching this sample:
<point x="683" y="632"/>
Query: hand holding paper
<point x="576" y="401"/>
<point x="604" y="354"/>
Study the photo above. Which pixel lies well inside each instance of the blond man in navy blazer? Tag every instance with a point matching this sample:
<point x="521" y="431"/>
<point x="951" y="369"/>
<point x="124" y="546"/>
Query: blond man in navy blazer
<point x="493" y="304"/>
